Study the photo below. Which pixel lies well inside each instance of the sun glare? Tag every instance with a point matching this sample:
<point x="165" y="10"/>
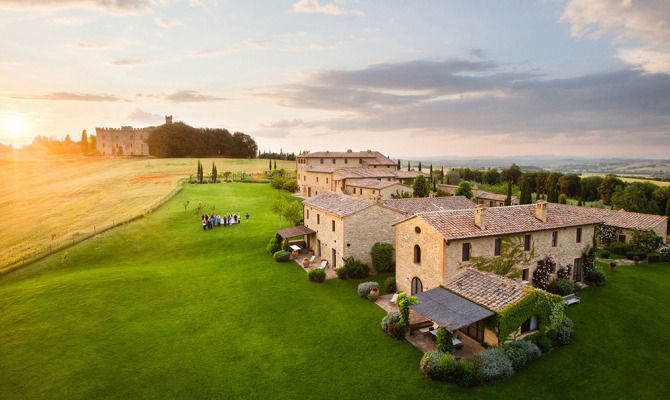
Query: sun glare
<point x="15" y="125"/>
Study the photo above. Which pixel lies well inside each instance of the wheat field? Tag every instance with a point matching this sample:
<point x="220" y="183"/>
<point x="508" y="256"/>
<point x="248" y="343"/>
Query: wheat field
<point x="47" y="203"/>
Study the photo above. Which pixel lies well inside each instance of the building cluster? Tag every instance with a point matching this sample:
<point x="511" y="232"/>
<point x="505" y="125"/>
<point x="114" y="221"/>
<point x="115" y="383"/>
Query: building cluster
<point x="347" y="211"/>
<point x="124" y="141"/>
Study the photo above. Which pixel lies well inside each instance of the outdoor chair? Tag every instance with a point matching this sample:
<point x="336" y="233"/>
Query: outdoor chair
<point x="394" y="298"/>
<point x="323" y="265"/>
<point x="311" y="259"/>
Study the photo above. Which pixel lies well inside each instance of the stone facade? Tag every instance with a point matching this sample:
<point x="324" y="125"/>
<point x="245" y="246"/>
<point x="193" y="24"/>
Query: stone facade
<point x="441" y="260"/>
<point x="374" y="193"/>
<point x="127" y="141"/>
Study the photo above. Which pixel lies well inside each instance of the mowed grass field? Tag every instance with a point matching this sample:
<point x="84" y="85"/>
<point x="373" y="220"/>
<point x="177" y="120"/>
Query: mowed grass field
<point x="189" y="314"/>
<point x="643" y="180"/>
<point x="45" y="203"/>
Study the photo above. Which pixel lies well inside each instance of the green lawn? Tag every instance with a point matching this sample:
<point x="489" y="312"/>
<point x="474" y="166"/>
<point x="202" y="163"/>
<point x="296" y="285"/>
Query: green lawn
<point x="192" y="314"/>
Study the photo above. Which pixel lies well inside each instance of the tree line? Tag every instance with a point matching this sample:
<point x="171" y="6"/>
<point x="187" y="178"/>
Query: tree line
<point x="276" y="156"/>
<point x="181" y="140"/>
<point x="52" y="146"/>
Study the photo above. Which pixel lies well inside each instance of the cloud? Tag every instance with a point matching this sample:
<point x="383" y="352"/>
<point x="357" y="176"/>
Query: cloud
<point x="313" y="6"/>
<point x="167" y="23"/>
<point x="192" y="96"/>
<point x="127" y="62"/>
<point x="271" y="134"/>
<point x="114" y="6"/>
<point x="640" y="30"/>
<point x="68" y="96"/>
<point x="479" y="53"/>
<point x="89" y="46"/>
<point x="476" y="98"/>
<point x="145" y="117"/>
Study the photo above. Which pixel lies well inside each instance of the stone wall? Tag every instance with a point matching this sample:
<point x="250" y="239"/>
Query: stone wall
<point x="321" y="222"/>
<point x="430" y="269"/>
<point x="661" y="230"/>
<point x="131" y="141"/>
<point x="313" y="183"/>
<point x="367" y="227"/>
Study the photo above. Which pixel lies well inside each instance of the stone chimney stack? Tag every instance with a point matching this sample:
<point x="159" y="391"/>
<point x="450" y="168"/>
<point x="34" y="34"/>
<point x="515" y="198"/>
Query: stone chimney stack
<point x="541" y="210"/>
<point x="475" y="189"/>
<point x="480" y="216"/>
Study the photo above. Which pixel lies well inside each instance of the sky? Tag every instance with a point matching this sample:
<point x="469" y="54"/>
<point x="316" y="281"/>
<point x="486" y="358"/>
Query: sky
<point x="408" y="78"/>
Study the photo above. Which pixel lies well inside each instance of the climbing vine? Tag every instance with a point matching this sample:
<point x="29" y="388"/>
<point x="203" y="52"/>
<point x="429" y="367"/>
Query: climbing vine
<point x="404" y="302"/>
<point x="512" y="255"/>
<point x="547" y="307"/>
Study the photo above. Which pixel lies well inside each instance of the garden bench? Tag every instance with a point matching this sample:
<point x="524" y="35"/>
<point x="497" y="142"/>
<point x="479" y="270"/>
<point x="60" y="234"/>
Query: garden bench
<point x="570" y="300"/>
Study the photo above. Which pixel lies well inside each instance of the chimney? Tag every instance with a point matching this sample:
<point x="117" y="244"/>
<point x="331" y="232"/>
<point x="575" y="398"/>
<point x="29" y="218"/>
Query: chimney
<point x="480" y="216"/>
<point x="541" y="210"/>
<point x="475" y="189"/>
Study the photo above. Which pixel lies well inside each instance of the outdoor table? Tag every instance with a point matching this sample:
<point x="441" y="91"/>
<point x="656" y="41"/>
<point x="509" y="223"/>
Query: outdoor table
<point x="294" y="247"/>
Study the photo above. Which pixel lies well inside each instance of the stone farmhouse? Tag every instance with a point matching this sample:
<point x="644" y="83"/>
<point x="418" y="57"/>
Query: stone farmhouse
<point x="433" y="247"/>
<point x="351" y="173"/>
<point x="626" y="222"/>
<point x="483" y="197"/>
<point x="340" y="226"/>
<point x="126" y="141"/>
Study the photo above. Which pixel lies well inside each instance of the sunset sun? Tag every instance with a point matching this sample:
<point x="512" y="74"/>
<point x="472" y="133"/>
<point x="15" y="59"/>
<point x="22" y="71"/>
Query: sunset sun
<point x="15" y="125"/>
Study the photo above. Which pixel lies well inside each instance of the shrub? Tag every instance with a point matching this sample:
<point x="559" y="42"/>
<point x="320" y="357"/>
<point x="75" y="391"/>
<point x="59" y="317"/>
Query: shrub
<point x="341" y="272"/>
<point x="365" y="288"/>
<point x="516" y="354"/>
<point x="278" y="182"/>
<point x="281" y="256"/>
<point x="562" y="334"/>
<point x="382" y="257"/>
<point x="290" y="185"/>
<point x="542" y="341"/>
<point x="445" y="343"/>
<point x="391" y="316"/>
<point x="429" y="362"/>
<point x="285" y="245"/>
<point x="605" y="254"/>
<point x="445" y="370"/>
<point x="353" y="269"/>
<point x="532" y="351"/>
<point x="273" y="245"/>
<point x="396" y="330"/>
<point x="492" y="365"/>
<point x="465" y="372"/>
<point x="653" y="257"/>
<point x="636" y="255"/>
<point x="561" y="287"/>
<point x="595" y="278"/>
<point x="316" y="275"/>
<point x="619" y="248"/>
<point x="389" y="285"/>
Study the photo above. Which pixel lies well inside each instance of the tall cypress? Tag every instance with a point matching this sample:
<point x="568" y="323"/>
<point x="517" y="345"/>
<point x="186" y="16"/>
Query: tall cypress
<point x="270" y="166"/>
<point x="508" y="199"/>
<point x="408" y="167"/>
<point x="442" y="175"/>
<point x="275" y="164"/>
<point x="419" y="166"/>
<point x="398" y="165"/>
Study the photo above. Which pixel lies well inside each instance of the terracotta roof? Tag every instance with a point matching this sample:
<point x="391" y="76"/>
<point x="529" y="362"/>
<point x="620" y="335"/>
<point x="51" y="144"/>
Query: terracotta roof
<point x="379" y="158"/>
<point x="409" y="174"/>
<point x="338" y="204"/>
<point x="372" y="183"/>
<point x="460" y="224"/>
<point x="483" y="194"/>
<point x="294" y="231"/>
<point x="320" y="168"/>
<point x="417" y="205"/>
<point x="364" y="173"/>
<point x="486" y="289"/>
<point x="623" y="219"/>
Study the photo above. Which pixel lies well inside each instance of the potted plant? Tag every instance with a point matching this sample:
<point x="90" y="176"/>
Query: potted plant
<point x="305" y="262"/>
<point x="636" y="259"/>
<point x="613" y="266"/>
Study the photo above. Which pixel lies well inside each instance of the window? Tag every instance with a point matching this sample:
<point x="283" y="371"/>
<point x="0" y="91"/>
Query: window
<point x="321" y="161"/>
<point x="496" y="248"/>
<point x="622" y="238"/>
<point x="526" y="243"/>
<point x="346" y="161"/>
<point x="361" y="191"/>
<point x="317" y="178"/>
<point x="333" y="161"/>
<point x="333" y="223"/>
<point x="360" y="161"/>
<point x="318" y="218"/>
<point x="417" y="286"/>
<point x="554" y="239"/>
<point x="326" y="180"/>
<point x="490" y="204"/>
<point x="417" y="254"/>
<point x="304" y="178"/>
<point x="466" y="252"/>
<point x="579" y="235"/>
<point x="577" y="270"/>
<point x="530" y="324"/>
<point x="417" y="229"/>
<point x="307" y="212"/>
<point x="525" y="274"/>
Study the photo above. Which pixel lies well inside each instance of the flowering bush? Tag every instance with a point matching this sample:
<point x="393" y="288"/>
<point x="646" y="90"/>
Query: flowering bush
<point x="543" y="271"/>
<point x="664" y="250"/>
<point x="607" y="234"/>
<point x="563" y="271"/>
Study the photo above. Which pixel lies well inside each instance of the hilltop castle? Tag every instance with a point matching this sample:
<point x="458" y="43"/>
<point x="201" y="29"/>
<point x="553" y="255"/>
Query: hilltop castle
<point x="127" y="141"/>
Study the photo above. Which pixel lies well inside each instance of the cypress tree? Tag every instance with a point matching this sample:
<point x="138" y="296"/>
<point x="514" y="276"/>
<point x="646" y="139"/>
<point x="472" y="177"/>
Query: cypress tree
<point x="398" y="165"/>
<point x="408" y="167"/>
<point x="270" y="166"/>
<point x="508" y="199"/>
<point x="442" y="175"/>
<point x="419" y="166"/>
<point x="275" y="164"/>
<point x="667" y="211"/>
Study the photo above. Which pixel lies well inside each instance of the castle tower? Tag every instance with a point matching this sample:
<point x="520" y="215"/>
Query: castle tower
<point x="168" y="119"/>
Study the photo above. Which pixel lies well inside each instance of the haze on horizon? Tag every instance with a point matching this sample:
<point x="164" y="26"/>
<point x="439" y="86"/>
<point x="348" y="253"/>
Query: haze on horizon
<point x="412" y="78"/>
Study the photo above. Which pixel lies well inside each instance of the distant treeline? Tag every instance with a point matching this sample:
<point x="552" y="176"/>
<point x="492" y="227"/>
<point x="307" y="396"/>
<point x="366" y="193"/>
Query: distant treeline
<point x="181" y="140"/>
<point x="277" y="156"/>
<point x="47" y="145"/>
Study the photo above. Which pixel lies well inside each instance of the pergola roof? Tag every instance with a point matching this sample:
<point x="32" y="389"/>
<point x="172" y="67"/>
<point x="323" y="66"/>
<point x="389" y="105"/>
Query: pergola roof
<point x="448" y="309"/>
<point x="299" y="230"/>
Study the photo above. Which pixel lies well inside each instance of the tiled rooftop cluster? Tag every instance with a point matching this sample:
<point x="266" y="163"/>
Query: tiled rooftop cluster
<point x="487" y="289"/>
<point x="427" y="204"/>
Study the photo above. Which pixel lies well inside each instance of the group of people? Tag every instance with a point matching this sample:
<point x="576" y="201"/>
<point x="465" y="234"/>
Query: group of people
<point x="211" y="221"/>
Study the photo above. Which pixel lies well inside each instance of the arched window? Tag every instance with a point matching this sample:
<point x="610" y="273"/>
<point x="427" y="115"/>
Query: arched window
<point x="417" y="254"/>
<point x="417" y="286"/>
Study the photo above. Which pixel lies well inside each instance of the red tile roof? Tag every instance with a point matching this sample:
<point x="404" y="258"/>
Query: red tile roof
<point x="418" y="205"/>
<point x="378" y="158"/>
<point x="338" y="204"/>
<point x="623" y="219"/>
<point x="357" y="172"/>
<point x="372" y="183"/>
<point x="410" y="174"/>
<point x="460" y="224"/>
<point x="487" y="289"/>
<point x="483" y="194"/>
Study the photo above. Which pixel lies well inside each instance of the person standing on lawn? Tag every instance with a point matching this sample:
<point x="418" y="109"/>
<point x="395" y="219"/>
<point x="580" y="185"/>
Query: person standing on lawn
<point x="247" y="218"/>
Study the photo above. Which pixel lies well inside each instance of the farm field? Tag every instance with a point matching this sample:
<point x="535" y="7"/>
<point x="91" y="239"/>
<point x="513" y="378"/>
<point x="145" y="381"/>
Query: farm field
<point x="659" y="183"/>
<point x="160" y="309"/>
<point x="45" y="203"/>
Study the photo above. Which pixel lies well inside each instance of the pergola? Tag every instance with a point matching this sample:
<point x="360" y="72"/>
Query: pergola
<point x="295" y="231"/>
<point x="449" y="310"/>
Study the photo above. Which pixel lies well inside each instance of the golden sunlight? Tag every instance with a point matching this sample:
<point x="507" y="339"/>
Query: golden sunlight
<point x="15" y="125"/>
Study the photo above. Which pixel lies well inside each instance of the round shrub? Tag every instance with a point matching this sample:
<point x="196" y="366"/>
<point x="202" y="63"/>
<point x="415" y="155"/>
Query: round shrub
<point x="465" y="372"/>
<point x="542" y="341"/>
<point x="389" y="285"/>
<point x="595" y="278"/>
<point x="516" y="354"/>
<point x="561" y="287"/>
<point x="653" y="257"/>
<point x="563" y="332"/>
<point x="357" y="270"/>
<point x="342" y="272"/>
<point x="532" y="351"/>
<point x="273" y="245"/>
<point x="396" y="330"/>
<point x="391" y="316"/>
<point x="492" y="365"/>
<point x="429" y="362"/>
<point x="445" y="370"/>
<point x="365" y="288"/>
<point x="605" y="254"/>
<point x="281" y="256"/>
<point x="636" y="255"/>
<point x="382" y="257"/>
<point x="619" y="248"/>
<point x="316" y="275"/>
